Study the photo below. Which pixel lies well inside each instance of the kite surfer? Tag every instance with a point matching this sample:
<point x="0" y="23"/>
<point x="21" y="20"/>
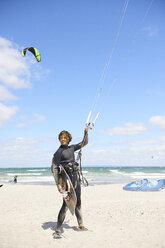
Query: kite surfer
<point x="65" y="156"/>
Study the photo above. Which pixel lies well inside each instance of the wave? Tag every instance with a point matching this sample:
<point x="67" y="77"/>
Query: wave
<point x="149" y="175"/>
<point x="85" y="171"/>
<point x="24" y="174"/>
<point x="93" y="175"/>
<point x="36" y="179"/>
<point x="115" y="171"/>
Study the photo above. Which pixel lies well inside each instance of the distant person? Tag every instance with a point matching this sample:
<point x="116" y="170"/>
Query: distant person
<point x="65" y="156"/>
<point x="15" y="179"/>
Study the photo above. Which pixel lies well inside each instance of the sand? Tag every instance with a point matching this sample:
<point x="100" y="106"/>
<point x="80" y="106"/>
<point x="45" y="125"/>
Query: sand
<point x="115" y="218"/>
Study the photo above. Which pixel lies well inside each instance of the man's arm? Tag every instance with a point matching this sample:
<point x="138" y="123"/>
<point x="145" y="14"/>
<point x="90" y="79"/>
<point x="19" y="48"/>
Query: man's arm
<point x="84" y="142"/>
<point x="55" y="171"/>
<point x="85" y="139"/>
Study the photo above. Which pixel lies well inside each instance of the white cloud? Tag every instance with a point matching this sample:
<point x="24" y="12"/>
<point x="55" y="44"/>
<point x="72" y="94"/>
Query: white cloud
<point x="37" y="118"/>
<point x="128" y="129"/>
<point x="19" y="125"/>
<point x="151" y="30"/>
<point x="26" y="152"/>
<point x="140" y="142"/>
<point x="39" y="151"/>
<point x="158" y="121"/>
<point x="143" y="155"/>
<point x="23" y="117"/>
<point x="25" y="121"/>
<point x="15" y="73"/>
<point x="6" y="113"/>
<point x="5" y="94"/>
<point x="14" y="70"/>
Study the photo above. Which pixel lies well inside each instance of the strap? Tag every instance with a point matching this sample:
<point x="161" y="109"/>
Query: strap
<point x="83" y="179"/>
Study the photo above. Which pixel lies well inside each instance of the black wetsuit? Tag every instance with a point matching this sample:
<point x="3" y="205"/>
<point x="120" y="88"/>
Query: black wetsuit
<point x="64" y="156"/>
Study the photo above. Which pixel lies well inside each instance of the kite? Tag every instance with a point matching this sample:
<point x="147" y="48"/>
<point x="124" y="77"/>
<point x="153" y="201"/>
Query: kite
<point x="34" y="51"/>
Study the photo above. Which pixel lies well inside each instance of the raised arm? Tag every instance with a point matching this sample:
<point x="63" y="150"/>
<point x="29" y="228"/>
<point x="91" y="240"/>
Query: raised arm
<point x="84" y="142"/>
<point x="85" y="138"/>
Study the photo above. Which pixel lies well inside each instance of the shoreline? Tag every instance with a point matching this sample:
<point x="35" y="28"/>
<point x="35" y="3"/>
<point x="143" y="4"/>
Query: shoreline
<point x="94" y="175"/>
<point x="53" y="184"/>
<point x="115" y="218"/>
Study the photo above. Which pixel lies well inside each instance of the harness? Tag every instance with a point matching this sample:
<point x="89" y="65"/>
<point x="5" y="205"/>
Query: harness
<point x="70" y="168"/>
<point x="83" y="179"/>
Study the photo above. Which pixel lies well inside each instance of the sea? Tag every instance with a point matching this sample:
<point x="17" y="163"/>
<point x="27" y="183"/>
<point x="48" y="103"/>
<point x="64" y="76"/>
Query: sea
<point x="94" y="175"/>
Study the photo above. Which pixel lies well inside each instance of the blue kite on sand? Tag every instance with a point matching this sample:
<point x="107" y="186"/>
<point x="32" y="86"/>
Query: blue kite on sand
<point x="146" y="185"/>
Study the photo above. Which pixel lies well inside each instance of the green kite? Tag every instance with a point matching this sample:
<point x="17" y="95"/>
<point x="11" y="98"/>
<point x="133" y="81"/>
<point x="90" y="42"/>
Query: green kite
<point x="34" y="51"/>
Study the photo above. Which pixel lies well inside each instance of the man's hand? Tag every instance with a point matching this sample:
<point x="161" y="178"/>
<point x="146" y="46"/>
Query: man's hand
<point x="87" y="128"/>
<point x="59" y="188"/>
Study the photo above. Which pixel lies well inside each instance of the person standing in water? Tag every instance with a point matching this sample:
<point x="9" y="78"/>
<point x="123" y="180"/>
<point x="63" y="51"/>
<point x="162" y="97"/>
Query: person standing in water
<point x="65" y="156"/>
<point x="15" y="179"/>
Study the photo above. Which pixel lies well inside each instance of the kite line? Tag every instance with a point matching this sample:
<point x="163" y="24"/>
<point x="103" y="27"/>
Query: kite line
<point x="90" y="118"/>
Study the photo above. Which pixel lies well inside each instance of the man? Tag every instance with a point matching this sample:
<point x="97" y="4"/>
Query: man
<point x="65" y="156"/>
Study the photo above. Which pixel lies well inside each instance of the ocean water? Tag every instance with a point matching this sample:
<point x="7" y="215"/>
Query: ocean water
<point x="94" y="175"/>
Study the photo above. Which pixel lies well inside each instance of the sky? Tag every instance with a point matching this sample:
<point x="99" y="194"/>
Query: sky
<point x="80" y="41"/>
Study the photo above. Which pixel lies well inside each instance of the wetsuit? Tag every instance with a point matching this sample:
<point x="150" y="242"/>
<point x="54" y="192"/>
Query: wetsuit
<point x="65" y="156"/>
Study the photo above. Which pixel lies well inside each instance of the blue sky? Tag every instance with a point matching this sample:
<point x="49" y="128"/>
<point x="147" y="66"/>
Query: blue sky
<point x="76" y="39"/>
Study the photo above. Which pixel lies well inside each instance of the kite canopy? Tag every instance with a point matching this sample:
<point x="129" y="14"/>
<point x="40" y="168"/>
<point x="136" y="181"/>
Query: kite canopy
<point x="34" y="51"/>
<point x="145" y="185"/>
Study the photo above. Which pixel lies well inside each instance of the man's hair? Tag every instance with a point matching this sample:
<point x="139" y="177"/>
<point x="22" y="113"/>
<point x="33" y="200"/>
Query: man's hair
<point x="66" y="133"/>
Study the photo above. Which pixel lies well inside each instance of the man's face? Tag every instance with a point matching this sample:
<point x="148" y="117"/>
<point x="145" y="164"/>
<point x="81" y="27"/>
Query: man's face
<point x="64" y="140"/>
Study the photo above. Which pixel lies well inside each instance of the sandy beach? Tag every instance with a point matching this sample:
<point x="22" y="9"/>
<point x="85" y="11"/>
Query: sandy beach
<point x="115" y="218"/>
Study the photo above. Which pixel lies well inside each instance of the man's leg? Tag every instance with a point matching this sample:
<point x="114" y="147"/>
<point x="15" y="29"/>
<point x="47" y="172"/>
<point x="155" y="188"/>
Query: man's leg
<point x="78" y="212"/>
<point x="61" y="216"/>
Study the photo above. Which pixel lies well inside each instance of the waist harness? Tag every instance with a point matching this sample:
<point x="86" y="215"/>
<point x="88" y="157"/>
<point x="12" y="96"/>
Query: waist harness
<point x="71" y="168"/>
